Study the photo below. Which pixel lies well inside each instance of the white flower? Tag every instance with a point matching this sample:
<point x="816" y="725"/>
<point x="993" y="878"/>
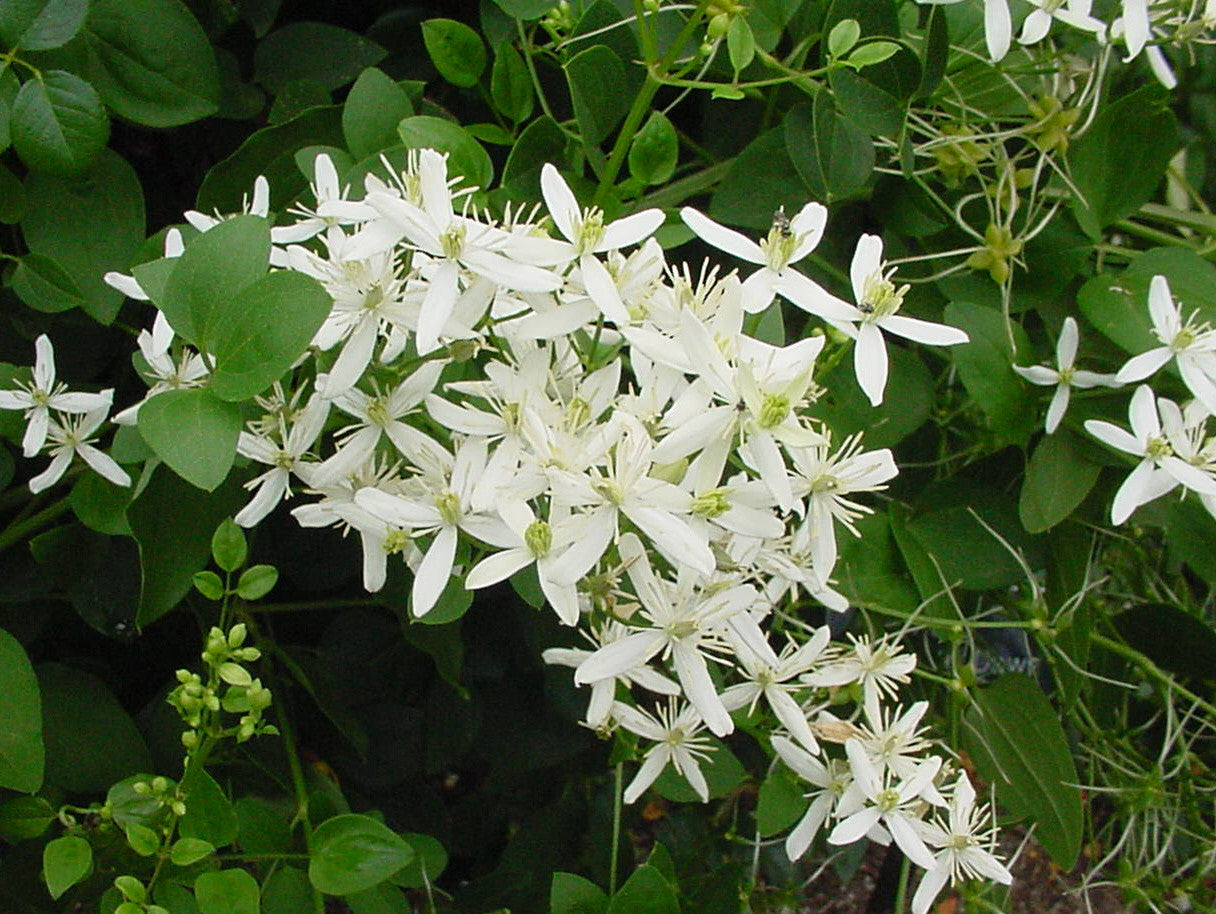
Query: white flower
<point x="285" y="459"/>
<point x="787" y="242"/>
<point x="188" y="371"/>
<point x="961" y="854"/>
<point x="1159" y="469"/>
<point x="878" y="301"/>
<point x="1071" y="12"/>
<point x="677" y="743"/>
<point x="832" y="778"/>
<point x="1064" y="376"/>
<point x="41" y="395"/>
<point x="877" y="665"/>
<point x="893" y="805"/>
<point x="72" y="437"/>
<point x="1192" y="345"/>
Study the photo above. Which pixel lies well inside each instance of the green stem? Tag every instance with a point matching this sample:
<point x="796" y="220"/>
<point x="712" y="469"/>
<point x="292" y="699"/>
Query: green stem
<point x="1201" y="222"/>
<point x="689" y="186"/>
<point x="901" y="893"/>
<point x="312" y="605"/>
<point x="17" y="532"/>
<point x="617" y="803"/>
<point x="1152" y="670"/>
<point x="1151" y="234"/>
<point x="526" y="43"/>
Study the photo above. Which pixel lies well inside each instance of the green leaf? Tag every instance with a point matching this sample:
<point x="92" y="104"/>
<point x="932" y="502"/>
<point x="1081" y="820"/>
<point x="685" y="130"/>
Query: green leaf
<point x="21" y="752"/>
<point x="66" y="861"/>
<point x="45" y="286"/>
<point x="295" y="98"/>
<point x="645" y="892"/>
<point x="428" y="864"/>
<point x="169" y="557"/>
<point x="843" y="37"/>
<point x="142" y="839"/>
<point x="351" y="853"/>
<point x="61" y="219"/>
<point x="198" y="297"/>
<point x="847" y="410"/>
<point x="209" y="814"/>
<point x="466" y="158"/>
<point x="270" y="152"/>
<point x="228" y="546"/>
<point x="1016" y="740"/>
<point x="456" y="51"/>
<point x="186" y="851"/>
<point x="256" y="582"/>
<point x="761" y="179"/>
<point x="654" y="150"/>
<point x="208" y="583"/>
<point x="937" y="51"/>
<point x="263" y="826"/>
<point x="335" y="56"/>
<point x="833" y="156"/>
<point x="875" y="110"/>
<point x="1115" y="169"/>
<point x="23" y="818"/>
<point x="261" y="331"/>
<point x="58" y="124"/>
<point x="131" y="807"/>
<point x="985" y="367"/>
<point x="100" y="505"/>
<point x="194" y="433"/>
<point x="371" y="113"/>
<point x="1173" y="639"/>
<point x="151" y="61"/>
<point x="511" y="84"/>
<point x="39" y="25"/>
<point x="595" y="77"/>
<point x="227" y="892"/>
<point x="12" y="193"/>
<point x="740" y="43"/>
<point x="542" y="141"/>
<point x="1058" y="478"/>
<point x="723" y="773"/>
<point x="286" y="892"/>
<point x="571" y="894"/>
<point x="781" y="803"/>
<point x="132" y="889"/>
<point x="875" y="52"/>
<point x="90" y="741"/>
<point x="525" y="9"/>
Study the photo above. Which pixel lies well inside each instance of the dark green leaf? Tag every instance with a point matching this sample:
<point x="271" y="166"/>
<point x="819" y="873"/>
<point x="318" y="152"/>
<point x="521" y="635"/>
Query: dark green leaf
<point x="371" y="113"/>
<point x="781" y="803"/>
<point x="23" y="818"/>
<point x="199" y="295"/>
<point x="100" y="505"/>
<point x="263" y="826"/>
<point x="61" y="220"/>
<point x="295" y="98"/>
<point x="58" y="124"/>
<point x="270" y="152"/>
<point x="12" y="194"/>
<point x="832" y="156"/>
<point x="761" y="179"/>
<point x="351" y="853"/>
<point x="151" y="61"/>
<point x="66" y="861"/>
<point x="595" y="77"/>
<point x="1116" y="169"/>
<point x="39" y="25"/>
<point x="1175" y="640"/>
<point x="937" y="49"/>
<point x="21" y="751"/>
<point x="510" y="84"/>
<point x="847" y="410"/>
<point x="169" y="559"/>
<point x="287" y="892"/>
<point x="542" y="141"/>
<point x="335" y="55"/>
<point x="466" y="158"/>
<point x="228" y="546"/>
<point x="262" y="330"/>
<point x="428" y="864"/>
<point x="984" y="365"/>
<point x="91" y="742"/>
<point x="1015" y="737"/>
<point x="571" y="894"/>
<point x="193" y="432"/>
<point x="256" y="582"/>
<point x="873" y="109"/>
<point x="209" y="814"/>
<point x="525" y="9"/>
<point x="1058" y="478"/>
<point x="654" y="150"/>
<point x="227" y="892"/>
<point x="645" y="892"/>
<point x="456" y="51"/>
<point x="44" y="285"/>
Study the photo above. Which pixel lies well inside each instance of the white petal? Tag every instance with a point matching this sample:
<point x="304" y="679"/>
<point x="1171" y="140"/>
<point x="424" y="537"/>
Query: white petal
<point x="870" y="362"/>
<point x="867" y="261"/>
<point x="630" y="231"/>
<point x="434" y="571"/>
<point x="620" y="657"/>
<point x="1139" y="367"/>
<point x="693" y="674"/>
<point x="563" y="207"/>
<point x="1114" y="436"/>
<point x="925" y="332"/>
<point x="855" y="827"/>
<point x="930" y="886"/>
<point x="51" y="475"/>
<point x="998" y="28"/>
<point x="1142" y="485"/>
<point x="652" y="767"/>
<point x="497" y="567"/>
<point x="602" y="290"/>
<point x="1055" y="411"/>
<point x="1066" y="345"/>
<point x="1038" y="374"/>
<point x="722" y="238"/>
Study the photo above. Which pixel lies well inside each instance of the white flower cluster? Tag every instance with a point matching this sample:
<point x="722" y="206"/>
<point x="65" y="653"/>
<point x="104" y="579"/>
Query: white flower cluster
<point x="485" y="398"/>
<point x="1171" y="442"/>
<point x="1142" y="26"/>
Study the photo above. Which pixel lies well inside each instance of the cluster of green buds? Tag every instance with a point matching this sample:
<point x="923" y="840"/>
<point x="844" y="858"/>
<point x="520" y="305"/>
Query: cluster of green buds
<point x="164" y="792"/>
<point x="559" y="21"/>
<point x="1052" y="126"/>
<point x="958" y="154"/>
<point x="999" y="250"/>
<point x="719" y="16"/>
<point x="199" y="703"/>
